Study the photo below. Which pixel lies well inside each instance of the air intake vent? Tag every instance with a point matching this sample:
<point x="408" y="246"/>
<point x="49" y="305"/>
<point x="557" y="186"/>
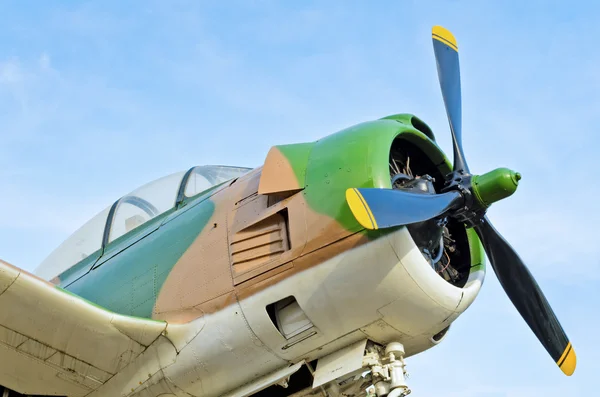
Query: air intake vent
<point x="421" y="126"/>
<point x="289" y="318"/>
<point x="259" y="243"/>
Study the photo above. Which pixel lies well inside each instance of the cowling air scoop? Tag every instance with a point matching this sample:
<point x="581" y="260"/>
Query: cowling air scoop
<point x="466" y="198"/>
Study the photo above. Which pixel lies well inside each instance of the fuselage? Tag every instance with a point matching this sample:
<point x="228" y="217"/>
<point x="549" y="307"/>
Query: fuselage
<point x="271" y="268"/>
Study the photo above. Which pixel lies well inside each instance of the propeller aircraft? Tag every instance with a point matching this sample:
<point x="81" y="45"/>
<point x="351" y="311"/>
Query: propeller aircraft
<point x="315" y="274"/>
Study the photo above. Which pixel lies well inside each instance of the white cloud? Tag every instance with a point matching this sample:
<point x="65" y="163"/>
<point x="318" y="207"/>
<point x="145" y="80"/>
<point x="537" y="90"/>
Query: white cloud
<point x="10" y="72"/>
<point x="44" y="61"/>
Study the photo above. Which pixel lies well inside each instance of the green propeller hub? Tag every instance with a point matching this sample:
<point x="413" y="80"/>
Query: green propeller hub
<point x="494" y="185"/>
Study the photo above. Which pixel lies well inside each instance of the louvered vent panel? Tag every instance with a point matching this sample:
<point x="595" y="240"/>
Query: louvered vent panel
<point x="259" y="244"/>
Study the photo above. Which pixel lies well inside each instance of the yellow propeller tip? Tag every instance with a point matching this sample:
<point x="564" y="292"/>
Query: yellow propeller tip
<point x="360" y="209"/>
<point x="568" y="360"/>
<point x="443" y="35"/>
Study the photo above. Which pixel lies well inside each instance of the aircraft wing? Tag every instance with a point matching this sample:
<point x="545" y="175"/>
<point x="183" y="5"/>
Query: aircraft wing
<point x="55" y="343"/>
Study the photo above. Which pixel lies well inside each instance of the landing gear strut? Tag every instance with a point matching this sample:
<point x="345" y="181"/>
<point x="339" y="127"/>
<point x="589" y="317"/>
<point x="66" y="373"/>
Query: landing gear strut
<point x="388" y="370"/>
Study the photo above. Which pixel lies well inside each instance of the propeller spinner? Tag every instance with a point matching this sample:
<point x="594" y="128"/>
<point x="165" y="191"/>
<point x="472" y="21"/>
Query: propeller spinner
<point x="466" y="198"/>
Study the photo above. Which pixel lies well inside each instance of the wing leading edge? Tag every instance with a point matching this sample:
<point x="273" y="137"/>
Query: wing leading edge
<point x="54" y="342"/>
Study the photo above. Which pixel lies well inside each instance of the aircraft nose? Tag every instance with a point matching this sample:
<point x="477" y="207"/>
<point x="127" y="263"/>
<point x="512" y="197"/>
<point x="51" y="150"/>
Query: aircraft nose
<point x="426" y="303"/>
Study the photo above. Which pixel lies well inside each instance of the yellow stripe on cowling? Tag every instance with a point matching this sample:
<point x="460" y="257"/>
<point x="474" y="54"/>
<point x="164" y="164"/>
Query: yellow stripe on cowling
<point x="445" y="36"/>
<point x="360" y="209"/>
<point x="568" y="360"/>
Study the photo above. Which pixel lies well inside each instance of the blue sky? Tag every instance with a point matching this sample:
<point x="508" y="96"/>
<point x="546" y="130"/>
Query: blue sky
<point x="97" y="98"/>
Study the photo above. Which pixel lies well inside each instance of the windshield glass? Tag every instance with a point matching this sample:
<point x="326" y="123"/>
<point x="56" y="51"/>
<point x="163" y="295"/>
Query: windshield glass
<point x="85" y="241"/>
<point x="145" y="203"/>
<point x="207" y="176"/>
<point x="132" y="211"/>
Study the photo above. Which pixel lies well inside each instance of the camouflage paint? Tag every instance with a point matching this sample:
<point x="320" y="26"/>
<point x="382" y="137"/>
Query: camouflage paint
<point x="298" y="156"/>
<point x="128" y="278"/>
<point x="129" y="282"/>
<point x="334" y="165"/>
<point x="332" y="168"/>
<point x="78" y="270"/>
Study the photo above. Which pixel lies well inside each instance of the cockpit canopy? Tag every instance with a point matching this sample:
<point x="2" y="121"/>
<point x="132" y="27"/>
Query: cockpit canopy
<point x="132" y="211"/>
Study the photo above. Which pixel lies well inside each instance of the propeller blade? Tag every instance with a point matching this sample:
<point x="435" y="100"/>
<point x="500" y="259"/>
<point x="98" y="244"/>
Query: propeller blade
<point x="446" y="57"/>
<point x="526" y="295"/>
<point x="381" y="208"/>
